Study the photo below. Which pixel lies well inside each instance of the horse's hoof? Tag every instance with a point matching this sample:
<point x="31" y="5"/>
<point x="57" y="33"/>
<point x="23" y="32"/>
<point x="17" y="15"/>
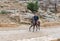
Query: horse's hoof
<point x="33" y="31"/>
<point x="36" y="30"/>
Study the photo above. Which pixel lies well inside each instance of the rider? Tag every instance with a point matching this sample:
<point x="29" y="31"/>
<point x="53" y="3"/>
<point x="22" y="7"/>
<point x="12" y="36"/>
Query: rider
<point x="34" y="21"/>
<point x="35" y="18"/>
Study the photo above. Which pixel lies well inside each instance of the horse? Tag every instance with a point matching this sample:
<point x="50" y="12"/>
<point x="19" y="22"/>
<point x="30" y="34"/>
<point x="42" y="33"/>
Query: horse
<point x="33" y="24"/>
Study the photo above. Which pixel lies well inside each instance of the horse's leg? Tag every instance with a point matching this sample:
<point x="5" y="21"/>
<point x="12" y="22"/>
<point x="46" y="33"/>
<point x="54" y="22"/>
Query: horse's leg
<point x="39" y="27"/>
<point x="36" y="27"/>
<point x="33" y="28"/>
<point x="30" y="27"/>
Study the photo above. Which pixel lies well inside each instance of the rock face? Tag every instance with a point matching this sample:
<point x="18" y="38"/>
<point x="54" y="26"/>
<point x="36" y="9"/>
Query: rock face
<point x="52" y="4"/>
<point x="49" y="16"/>
<point x="25" y="17"/>
<point x="18" y="7"/>
<point x="5" y="21"/>
<point x="15" y="17"/>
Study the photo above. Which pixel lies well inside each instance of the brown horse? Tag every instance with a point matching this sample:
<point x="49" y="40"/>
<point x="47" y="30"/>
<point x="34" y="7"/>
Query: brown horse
<point x="37" y="25"/>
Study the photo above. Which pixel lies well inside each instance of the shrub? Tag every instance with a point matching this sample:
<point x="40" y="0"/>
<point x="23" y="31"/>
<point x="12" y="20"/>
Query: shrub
<point x="3" y="12"/>
<point x="33" y="6"/>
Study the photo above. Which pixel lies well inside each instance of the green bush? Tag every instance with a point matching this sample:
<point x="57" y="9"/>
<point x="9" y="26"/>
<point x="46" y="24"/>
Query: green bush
<point x="33" y="6"/>
<point x="3" y="12"/>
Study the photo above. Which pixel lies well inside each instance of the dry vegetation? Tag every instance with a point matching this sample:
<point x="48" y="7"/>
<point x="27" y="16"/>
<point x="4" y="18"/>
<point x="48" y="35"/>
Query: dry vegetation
<point x="48" y="24"/>
<point x="56" y="40"/>
<point x="8" y="25"/>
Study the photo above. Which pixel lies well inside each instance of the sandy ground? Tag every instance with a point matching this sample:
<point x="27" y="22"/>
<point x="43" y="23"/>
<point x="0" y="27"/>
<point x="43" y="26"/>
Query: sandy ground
<point x="22" y="32"/>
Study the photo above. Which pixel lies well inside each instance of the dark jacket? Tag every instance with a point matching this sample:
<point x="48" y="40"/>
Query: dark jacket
<point x="36" y="18"/>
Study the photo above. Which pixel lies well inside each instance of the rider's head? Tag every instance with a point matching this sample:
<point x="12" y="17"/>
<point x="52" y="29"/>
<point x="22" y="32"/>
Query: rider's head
<point x="36" y="14"/>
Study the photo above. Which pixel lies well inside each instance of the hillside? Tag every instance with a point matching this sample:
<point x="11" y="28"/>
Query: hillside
<point x="19" y="7"/>
<point x="6" y="21"/>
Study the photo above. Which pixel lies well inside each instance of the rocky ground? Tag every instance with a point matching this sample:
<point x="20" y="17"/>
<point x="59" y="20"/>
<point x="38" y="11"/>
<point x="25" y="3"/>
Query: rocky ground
<point x="22" y="32"/>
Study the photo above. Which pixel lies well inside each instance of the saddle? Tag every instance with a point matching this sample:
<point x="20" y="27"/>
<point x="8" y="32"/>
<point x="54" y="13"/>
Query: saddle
<point x="33" y="22"/>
